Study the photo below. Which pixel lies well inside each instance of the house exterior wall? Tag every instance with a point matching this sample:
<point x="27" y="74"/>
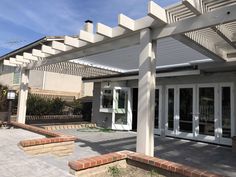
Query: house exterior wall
<point x="204" y="78"/>
<point x="62" y="82"/>
<point x="6" y="79"/>
<point x="40" y="81"/>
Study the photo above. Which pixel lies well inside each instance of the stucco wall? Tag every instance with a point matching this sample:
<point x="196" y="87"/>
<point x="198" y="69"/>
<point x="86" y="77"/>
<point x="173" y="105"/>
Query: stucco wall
<point x="6" y="79"/>
<point x="62" y="82"/>
<point x="36" y="79"/>
<point x="101" y="119"/>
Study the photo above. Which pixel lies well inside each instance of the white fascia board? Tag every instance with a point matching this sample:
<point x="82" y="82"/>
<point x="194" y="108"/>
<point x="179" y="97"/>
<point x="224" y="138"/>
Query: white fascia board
<point x="7" y="63"/>
<point x="157" y="12"/>
<point x="49" y="50"/>
<point x="29" y="56"/>
<point x="22" y="59"/>
<point x="126" y="22"/>
<point x="61" y="46"/>
<point x="39" y="53"/>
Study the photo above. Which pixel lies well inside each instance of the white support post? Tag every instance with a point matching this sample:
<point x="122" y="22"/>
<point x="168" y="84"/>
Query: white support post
<point x="146" y="95"/>
<point x="23" y="94"/>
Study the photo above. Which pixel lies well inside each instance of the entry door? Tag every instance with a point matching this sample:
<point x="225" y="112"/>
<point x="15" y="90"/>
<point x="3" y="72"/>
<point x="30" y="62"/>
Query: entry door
<point x="207" y="115"/>
<point x="226" y="119"/>
<point x="122" y="115"/>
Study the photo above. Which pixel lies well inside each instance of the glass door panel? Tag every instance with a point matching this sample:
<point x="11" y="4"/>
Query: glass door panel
<point x="122" y="116"/>
<point x="186" y="110"/>
<point x="207" y="111"/>
<point x="171" y="108"/>
<point x="157" y="109"/>
<point x="226" y="112"/>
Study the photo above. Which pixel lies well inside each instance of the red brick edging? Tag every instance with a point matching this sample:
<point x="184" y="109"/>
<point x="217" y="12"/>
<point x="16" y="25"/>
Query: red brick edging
<point x="153" y="161"/>
<point x="53" y="137"/>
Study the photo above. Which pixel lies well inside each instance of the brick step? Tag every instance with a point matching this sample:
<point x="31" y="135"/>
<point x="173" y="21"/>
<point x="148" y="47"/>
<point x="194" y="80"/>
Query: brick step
<point x="69" y="126"/>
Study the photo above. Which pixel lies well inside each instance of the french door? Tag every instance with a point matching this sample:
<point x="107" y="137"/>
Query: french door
<point x="122" y="113"/>
<point x="180" y="108"/>
<point x="226" y="112"/>
<point x="203" y="112"/>
<point x="158" y="110"/>
<point x="207" y="118"/>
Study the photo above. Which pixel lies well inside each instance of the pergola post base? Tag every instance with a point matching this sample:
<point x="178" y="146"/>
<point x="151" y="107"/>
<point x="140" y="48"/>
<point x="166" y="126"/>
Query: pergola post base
<point x="146" y="95"/>
<point x="23" y="94"/>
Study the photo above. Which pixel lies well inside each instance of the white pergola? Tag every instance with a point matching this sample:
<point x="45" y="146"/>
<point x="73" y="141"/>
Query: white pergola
<point x="208" y="26"/>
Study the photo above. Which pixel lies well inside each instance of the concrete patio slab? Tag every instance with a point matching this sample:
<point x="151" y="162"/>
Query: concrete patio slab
<point x="15" y="163"/>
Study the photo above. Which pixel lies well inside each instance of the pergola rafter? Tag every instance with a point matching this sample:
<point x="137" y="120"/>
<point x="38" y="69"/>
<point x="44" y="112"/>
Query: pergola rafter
<point x="219" y="16"/>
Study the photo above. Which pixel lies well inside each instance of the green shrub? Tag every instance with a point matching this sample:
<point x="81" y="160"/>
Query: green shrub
<point x="37" y="105"/>
<point x="3" y="98"/>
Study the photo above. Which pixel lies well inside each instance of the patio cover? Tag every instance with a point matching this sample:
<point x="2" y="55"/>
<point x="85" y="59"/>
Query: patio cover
<point x="207" y="26"/>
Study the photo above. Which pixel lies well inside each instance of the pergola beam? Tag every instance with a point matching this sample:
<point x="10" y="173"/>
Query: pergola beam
<point x="29" y="56"/>
<point x="22" y="59"/>
<point x="157" y="12"/>
<point x="206" y="20"/>
<point x="8" y="63"/>
<point x="39" y="53"/>
<point x="61" y="46"/>
<point x="89" y="50"/>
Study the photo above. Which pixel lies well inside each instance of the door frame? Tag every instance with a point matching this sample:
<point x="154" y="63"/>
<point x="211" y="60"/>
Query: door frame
<point x="158" y="130"/>
<point x="176" y="131"/>
<point x="115" y="111"/>
<point x="222" y="140"/>
<point x="208" y="138"/>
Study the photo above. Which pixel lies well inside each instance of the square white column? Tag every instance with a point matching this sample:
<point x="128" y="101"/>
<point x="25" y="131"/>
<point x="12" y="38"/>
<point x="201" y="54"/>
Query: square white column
<point x="22" y="97"/>
<point x="146" y="94"/>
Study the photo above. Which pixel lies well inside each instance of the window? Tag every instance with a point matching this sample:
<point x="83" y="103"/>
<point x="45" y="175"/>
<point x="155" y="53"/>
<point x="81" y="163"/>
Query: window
<point x="16" y="78"/>
<point x="107" y="98"/>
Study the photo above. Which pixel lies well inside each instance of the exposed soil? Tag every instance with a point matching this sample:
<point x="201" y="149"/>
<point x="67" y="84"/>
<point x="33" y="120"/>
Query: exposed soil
<point x="130" y="171"/>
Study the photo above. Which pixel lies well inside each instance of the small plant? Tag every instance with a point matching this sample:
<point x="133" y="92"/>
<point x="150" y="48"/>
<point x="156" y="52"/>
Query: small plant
<point x="153" y="173"/>
<point x="106" y="130"/>
<point x="114" y="171"/>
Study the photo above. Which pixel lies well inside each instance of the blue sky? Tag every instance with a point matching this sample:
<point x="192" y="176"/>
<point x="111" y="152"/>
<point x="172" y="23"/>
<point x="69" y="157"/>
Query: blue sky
<point x="24" y="21"/>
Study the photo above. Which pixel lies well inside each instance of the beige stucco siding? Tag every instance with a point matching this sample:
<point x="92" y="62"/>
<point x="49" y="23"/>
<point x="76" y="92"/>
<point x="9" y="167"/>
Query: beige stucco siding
<point x="62" y="82"/>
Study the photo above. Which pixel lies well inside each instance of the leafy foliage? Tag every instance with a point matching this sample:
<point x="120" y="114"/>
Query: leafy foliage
<point x="114" y="171"/>
<point x="37" y="105"/>
<point x="3" y="98"/>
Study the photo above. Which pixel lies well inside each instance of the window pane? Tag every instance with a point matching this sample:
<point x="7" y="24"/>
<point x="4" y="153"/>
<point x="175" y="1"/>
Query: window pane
<point x="107" y="99"/>
<point x="206" y="111"/>
<point x="121" y="119"/>
<point x="171" y="109"/>
<point x="16" y="78"/>
<point x="226" y="110"/>
<point x="186" y="108"/>
<point x="122" y="98"/>
<point x="157" y="109"/>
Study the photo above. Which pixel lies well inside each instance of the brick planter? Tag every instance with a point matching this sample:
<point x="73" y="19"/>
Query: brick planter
<point x="95" y="166"/>
<point x="55" y="143"/>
